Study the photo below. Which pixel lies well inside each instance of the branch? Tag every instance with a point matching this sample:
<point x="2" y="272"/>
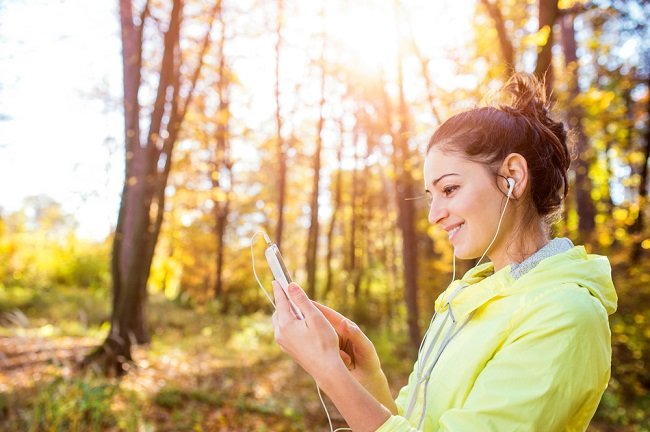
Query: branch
<point x="577" y="9"/>
<point x="131" y="52"/>
<point x="176" y="119"/>
<point x="506" y="45"/>
<point x="166" y="78"/>
<point x="143" y="16"/>
<point x="199" y="66"/>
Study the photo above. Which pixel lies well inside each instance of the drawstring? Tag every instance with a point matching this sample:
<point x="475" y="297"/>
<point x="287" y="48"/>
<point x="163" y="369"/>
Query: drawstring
<point x="435" y="361"/>
<point x="450" y="334"/>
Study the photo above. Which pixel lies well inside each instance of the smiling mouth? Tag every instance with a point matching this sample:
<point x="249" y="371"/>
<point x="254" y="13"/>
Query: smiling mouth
<point x="453" y="232"/>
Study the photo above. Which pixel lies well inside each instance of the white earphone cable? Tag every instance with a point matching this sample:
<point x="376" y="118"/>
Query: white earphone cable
<point x="496" y="234"/>
<point x="266" y="293"/>
<point x="422" y="363"/>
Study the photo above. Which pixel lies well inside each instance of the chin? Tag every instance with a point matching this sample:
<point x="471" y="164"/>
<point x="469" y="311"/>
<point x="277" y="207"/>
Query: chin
<point x="464" y="254"/>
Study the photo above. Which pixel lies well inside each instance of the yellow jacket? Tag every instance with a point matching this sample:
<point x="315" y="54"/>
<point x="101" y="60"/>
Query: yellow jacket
<point x="522" y="349"/>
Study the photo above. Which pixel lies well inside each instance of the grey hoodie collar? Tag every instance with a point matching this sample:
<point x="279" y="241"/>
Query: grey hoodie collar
<point x="554" y="247"/>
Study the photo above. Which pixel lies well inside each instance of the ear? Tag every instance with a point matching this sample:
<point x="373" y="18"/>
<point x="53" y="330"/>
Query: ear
<point x="515" y="166"/>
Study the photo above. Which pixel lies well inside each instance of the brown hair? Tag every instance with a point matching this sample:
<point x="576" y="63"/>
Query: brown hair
<point x="489" y="134"/>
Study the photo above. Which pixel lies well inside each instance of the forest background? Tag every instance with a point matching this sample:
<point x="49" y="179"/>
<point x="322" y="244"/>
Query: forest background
<point x="307" y="120"/>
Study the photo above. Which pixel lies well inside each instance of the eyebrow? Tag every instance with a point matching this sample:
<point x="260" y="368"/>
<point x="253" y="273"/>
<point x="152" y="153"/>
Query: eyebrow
<point x="435" y="182"/>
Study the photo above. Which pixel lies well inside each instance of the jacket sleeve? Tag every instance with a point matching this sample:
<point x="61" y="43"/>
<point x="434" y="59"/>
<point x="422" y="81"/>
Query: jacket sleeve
<point x="550" y="373"/>
<point x="398" y="423"/>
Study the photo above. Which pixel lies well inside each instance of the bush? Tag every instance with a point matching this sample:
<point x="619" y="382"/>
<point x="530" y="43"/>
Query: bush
<point x="81" y="404"/>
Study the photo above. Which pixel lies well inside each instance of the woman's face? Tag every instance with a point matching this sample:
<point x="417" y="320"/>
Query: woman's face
<point x="465" y="202"/>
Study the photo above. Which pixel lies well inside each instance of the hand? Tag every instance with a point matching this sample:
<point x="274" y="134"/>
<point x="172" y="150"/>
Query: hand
<point x="312" y="342"/>
<point x="356" y="350"/>
<point x="359" y="354"/>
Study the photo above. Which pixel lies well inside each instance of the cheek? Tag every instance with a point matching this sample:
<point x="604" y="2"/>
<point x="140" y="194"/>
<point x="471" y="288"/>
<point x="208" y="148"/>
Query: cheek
<point x="479" y="207"/>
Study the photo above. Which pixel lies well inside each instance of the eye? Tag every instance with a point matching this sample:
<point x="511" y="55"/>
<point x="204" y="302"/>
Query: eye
<point x="448" y="190"/>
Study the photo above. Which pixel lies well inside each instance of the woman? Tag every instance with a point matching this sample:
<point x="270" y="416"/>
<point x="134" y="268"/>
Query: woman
<point x="519" y="343"/>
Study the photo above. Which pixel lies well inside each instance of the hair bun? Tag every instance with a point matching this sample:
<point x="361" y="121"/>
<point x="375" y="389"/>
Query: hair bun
<point x="526" y="96"/>
<point x="528" y="101"/>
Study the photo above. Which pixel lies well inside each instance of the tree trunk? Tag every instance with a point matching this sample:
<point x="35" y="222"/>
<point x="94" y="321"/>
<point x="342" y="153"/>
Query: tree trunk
<point x="282" y="159"/>
<point x="335" y="212"/>
<point x="639" y="223"/>
<point x="362" y="222"/>
<point x="548" y="13"/>
<point x="222" y="166"/>
<point x="584" y="204"/>
<point x="407" y="218"/>
<point x="352" y="245"/>
<point x="507" y="50"/>
<point x="312" y="238"/>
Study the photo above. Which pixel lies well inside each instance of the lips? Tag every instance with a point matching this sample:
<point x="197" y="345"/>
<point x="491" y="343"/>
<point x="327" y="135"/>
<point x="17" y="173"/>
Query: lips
<point x="452" y="232"/>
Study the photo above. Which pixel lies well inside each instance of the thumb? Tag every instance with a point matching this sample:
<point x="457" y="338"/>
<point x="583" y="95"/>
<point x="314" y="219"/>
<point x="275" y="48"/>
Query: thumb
<point x="347" y="360"/>
<point x="359" y="340"/>
<point x="299" y="297"/>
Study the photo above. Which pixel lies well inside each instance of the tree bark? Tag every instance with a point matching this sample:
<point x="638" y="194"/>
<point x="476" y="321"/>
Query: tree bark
<point x="507" y="50"/>
<point x="407" y="217"/>
<point x="352" y="245"/>
<point x="281" y="149"/>
<point x="584" y="204"/>
<point x="548" y="13"/>
<point x="639" y="224"/>
<point x="222" y="166"/>
<point x="335" y="212"/>
<point x="312" y="237"/>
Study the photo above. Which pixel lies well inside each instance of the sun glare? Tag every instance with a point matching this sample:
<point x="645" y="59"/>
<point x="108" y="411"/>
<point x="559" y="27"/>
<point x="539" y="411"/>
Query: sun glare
<point x="372" y="31"/>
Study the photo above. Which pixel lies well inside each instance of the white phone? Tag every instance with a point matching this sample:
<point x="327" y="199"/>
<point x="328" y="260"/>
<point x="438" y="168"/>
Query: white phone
<point x="281" y="274"/>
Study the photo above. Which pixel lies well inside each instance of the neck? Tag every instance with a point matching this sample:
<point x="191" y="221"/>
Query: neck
<point x="530" y="242"/>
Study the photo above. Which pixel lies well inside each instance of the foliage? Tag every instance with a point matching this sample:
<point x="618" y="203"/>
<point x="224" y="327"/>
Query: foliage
<point x="39" y="248"/>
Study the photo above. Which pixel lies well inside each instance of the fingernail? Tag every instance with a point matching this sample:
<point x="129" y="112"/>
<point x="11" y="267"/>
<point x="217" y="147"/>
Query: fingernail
<point x="293" y="288"/>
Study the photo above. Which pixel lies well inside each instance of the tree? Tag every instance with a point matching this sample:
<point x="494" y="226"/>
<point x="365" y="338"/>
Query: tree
<point x="281" y="144"/>
<point x="312" y="237"/>
<point x="548" y="13"/>
<point x="584" y="203"/>
<point x="507" y="50"/>
<point x="147" y="167"/>
<point x="222" y="164"/>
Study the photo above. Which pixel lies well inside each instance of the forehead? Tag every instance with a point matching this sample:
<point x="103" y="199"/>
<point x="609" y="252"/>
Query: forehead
<point x="438" y="163"/>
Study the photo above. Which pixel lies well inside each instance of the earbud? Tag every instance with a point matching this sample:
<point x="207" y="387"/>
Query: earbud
<point x="511" y="185"/>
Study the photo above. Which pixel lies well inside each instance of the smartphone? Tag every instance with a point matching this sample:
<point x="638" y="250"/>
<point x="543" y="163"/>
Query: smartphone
<point x="281" y="275"/>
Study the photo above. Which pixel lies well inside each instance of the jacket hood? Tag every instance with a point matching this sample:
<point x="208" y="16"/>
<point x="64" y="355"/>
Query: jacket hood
<point x="572" y="266"/>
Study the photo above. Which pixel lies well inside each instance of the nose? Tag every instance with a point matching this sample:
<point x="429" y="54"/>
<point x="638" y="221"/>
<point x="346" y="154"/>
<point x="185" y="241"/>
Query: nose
<point x="437" y="212"/>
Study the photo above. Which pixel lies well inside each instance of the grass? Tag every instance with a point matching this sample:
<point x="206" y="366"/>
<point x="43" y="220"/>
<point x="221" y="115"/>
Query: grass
<point x="205" y="371"/>
<point x="202" y="370"/>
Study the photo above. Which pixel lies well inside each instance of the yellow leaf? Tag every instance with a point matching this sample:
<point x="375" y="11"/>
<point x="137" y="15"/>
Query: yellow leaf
<point x="223" y="115"/>
<point x="541" y="37"/>
<point x="620" y="214"/>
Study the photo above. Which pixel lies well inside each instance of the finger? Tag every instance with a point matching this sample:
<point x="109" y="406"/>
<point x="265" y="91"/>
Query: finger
<point x="283" y="309"/>
<point x="359" y="344"/>
<point x="335" y="318"/>
<point x="276" y="329"/>
<point x="300" y="299"/>
<point x="274" y="319"/>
